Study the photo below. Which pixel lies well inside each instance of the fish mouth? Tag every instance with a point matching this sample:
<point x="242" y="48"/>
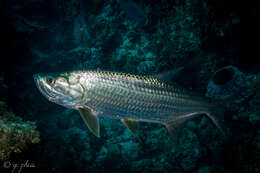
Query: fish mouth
<point x="44" y="87"/>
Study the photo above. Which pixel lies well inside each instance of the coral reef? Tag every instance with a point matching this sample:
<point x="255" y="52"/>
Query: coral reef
<point x="229" y="81"/>
<point x="141" y="37"/>
<point x="15" y="134"/>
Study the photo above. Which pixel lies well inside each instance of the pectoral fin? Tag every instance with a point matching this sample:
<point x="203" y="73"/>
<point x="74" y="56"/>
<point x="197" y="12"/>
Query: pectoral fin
<point x="91" y="120"/>
<point x="130" y="124"/>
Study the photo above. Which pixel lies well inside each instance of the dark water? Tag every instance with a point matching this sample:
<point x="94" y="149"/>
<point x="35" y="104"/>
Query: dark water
<point x="138" y="37"/>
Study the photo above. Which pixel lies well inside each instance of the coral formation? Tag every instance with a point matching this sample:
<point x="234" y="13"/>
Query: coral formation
<point x="161" y="36"/>
<point x="229" y="83"/>
<point x="226" y="81"/>
<point x="15" y="133"/>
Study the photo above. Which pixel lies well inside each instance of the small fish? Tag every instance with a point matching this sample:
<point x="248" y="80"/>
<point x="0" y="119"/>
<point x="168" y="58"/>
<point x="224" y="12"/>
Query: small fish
<point x="130" y="98"/>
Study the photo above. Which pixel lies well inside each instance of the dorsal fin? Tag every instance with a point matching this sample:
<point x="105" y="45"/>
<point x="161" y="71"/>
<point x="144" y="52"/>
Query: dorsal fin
<point x="168" y="76"/>
<point x="91" y="120"/>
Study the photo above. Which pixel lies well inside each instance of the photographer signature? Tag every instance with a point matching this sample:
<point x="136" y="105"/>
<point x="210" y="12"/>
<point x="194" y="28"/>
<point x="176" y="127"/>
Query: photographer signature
<point x="16" y="167"/>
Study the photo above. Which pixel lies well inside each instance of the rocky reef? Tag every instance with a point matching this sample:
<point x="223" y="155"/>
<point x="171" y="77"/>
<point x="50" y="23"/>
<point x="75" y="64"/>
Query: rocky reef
<point x="141" y="37"/>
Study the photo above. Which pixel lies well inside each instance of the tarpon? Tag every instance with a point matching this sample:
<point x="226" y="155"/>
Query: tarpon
<point x="130" y="98"/>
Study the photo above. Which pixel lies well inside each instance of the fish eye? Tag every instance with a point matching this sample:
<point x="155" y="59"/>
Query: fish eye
<point x="51" y="81"/>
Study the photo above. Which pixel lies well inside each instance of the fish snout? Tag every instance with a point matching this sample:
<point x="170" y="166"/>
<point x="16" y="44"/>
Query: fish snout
<point x="42" y="85"/>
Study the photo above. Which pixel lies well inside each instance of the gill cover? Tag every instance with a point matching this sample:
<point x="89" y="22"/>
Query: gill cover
<point x="63" y="89"/>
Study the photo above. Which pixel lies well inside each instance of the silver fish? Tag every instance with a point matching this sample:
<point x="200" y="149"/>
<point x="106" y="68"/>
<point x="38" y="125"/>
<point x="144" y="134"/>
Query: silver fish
<point x="130" y="98"/>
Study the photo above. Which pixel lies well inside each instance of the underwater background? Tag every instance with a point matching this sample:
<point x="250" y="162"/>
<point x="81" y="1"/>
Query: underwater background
<point x="145" y="37"/>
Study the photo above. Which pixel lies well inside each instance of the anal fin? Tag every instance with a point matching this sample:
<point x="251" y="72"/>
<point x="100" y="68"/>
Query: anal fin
<point x="130" y="124"/>
<point x="91" y="120"/>
<point x="173" y="127"/>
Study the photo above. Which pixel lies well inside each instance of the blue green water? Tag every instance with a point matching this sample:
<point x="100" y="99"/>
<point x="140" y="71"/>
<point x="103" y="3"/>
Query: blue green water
<point x="145" y="37"/>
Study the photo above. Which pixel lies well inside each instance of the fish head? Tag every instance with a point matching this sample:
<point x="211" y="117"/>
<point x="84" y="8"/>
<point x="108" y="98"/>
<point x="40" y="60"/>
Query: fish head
<point x="63" y="89"/>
